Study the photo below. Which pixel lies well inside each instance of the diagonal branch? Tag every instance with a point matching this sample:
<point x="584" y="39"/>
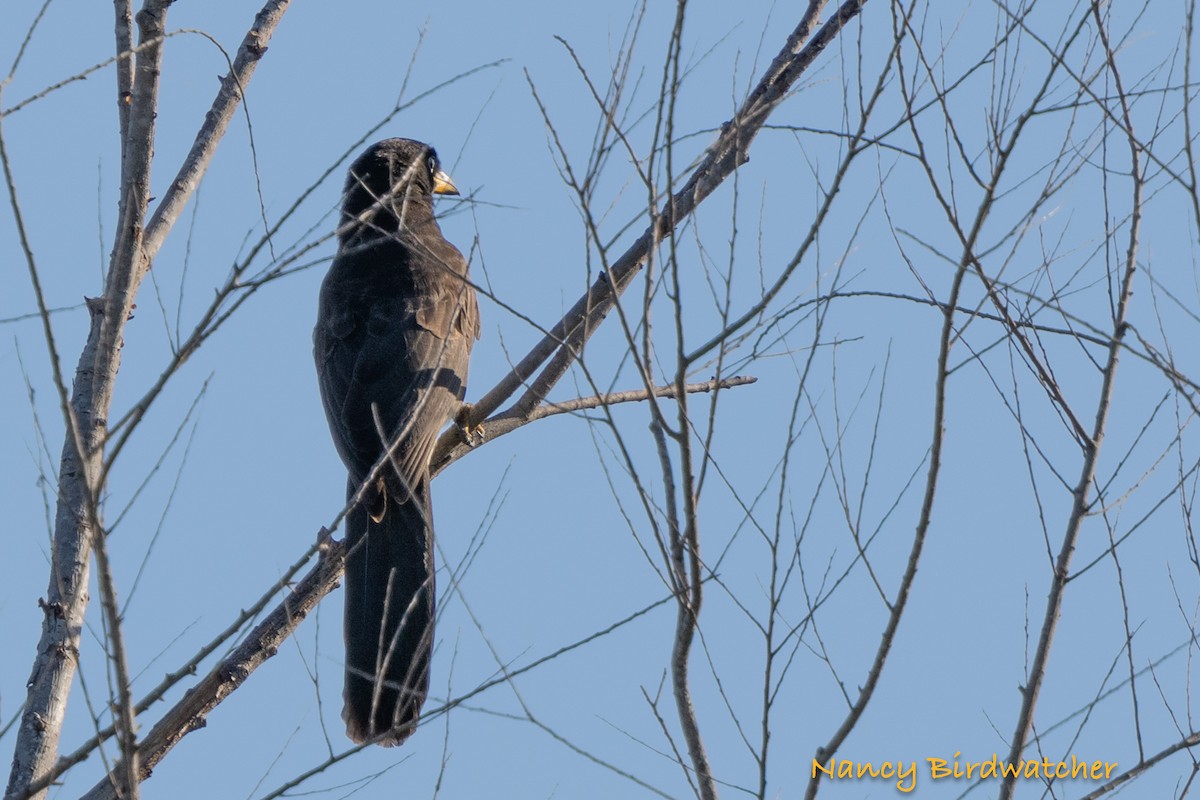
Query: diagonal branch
<point x="451" y="447"/>
<point x="216" y="121"/>
<point x="232" y="671"/>
<point x="726" y="154"/>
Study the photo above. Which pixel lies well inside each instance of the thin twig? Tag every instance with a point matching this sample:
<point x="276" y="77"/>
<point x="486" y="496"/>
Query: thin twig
<point x="1080" y="502"/>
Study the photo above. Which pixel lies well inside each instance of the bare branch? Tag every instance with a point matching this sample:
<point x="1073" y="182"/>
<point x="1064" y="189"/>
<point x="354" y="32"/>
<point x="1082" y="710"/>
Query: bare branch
<point x="1081" y="504"/>
<point x="259" y="645"/>
<point x="216" y="122"/>
<point x="730" y="151"/>
<point x="451" y="447"/>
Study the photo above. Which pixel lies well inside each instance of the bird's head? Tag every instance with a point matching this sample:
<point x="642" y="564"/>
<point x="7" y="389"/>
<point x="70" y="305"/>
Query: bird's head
<point x="399" y="175"/>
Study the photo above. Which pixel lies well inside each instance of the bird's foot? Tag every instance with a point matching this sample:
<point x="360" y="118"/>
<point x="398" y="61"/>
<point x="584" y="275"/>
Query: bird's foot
<point x="471" y="434"/>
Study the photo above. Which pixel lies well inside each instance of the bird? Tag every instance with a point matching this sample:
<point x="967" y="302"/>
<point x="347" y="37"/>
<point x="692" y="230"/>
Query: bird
<point x="396" y="321"/>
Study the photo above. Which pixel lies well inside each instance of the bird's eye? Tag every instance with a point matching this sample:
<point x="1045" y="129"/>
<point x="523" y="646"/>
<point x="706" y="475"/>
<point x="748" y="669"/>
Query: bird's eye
<point x="432" y="163"/>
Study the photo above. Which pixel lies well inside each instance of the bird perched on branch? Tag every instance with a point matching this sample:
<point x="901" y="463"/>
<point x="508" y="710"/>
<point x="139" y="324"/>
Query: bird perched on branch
<point x="394" y="331"/>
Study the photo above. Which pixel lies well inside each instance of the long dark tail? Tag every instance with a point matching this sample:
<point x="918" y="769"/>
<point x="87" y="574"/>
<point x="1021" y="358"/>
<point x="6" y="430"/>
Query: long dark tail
<point x="389" y="617"/>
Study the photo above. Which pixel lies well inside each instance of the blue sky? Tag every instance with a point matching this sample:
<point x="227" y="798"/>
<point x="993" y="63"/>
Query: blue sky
<point x="236" y="488"/>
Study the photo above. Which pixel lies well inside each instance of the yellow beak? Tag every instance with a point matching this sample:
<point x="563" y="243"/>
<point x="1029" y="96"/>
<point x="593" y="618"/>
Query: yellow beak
<point x="442" y="183"/>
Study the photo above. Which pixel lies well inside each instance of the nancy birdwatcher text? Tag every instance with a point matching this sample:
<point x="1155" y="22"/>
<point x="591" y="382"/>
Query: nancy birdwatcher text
<point x="905" y="773"/>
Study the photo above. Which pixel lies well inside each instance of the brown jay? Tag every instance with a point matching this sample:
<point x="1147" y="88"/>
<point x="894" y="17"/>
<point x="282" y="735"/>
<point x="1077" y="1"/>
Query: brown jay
<point x="394" y="331"/>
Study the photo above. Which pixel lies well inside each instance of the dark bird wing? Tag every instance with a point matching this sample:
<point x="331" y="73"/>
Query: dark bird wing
<point x="394" y="356"/>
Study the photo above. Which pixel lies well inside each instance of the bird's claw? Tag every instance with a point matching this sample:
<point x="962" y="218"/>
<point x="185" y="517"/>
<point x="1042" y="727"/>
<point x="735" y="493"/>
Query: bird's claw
<point x="472" y="435"/>
<point x="476" y="435"/>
